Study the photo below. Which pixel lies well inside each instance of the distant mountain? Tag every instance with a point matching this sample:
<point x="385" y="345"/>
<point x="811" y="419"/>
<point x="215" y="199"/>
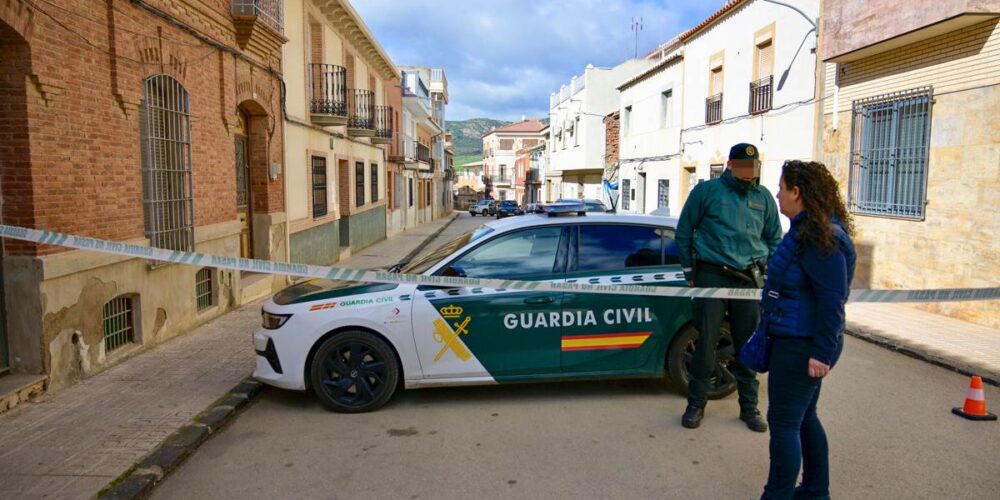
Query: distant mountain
<point x="467" y="136"/>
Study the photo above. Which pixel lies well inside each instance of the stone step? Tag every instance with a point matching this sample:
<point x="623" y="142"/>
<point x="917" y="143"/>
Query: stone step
<point x="18" y="388"/>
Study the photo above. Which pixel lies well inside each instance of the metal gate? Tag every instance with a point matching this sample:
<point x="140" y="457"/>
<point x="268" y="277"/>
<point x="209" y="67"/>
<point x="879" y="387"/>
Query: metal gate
<point x="243" y="192"/>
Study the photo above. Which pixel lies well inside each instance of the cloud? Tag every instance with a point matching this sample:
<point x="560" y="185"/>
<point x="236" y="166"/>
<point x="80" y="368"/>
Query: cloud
<point x="504" y="57"/>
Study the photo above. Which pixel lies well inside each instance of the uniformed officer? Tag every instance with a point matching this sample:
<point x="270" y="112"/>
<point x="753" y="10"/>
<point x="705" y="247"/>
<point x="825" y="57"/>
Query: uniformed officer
<point x="728" y="228"/>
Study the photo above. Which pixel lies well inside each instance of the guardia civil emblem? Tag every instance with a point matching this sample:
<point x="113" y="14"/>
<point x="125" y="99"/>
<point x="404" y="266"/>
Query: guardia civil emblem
<point x="447" y="330"/>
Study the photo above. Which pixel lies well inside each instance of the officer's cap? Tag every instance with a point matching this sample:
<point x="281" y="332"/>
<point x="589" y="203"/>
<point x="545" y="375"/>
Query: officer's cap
<point x="744" y="151"/>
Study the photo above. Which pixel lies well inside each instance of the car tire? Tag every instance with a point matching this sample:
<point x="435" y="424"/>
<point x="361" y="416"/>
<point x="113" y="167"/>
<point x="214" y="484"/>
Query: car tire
<point x="347" y="386"/>
<point x="722" y="382"/>
<point x="472" y="214"/>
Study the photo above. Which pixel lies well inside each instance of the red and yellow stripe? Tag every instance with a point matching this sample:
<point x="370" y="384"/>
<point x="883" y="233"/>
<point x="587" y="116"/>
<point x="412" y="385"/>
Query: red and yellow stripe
<point x="328" y="305"/>
<point x="603" y="341"/>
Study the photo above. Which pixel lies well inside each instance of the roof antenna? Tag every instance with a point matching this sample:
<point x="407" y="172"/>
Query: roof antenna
<point x="636" y="27"/>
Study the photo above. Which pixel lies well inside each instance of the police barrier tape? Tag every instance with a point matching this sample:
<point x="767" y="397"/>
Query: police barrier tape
<point x="361" y="275"/>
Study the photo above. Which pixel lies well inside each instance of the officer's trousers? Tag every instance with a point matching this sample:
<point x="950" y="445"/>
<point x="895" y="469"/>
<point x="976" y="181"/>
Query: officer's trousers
<point x="708" y="317"/>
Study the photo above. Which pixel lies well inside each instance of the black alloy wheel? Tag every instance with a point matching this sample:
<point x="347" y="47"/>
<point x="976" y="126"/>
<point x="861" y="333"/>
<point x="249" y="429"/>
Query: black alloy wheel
<point x="681" y="353"/>
<point x="354" y="372"/>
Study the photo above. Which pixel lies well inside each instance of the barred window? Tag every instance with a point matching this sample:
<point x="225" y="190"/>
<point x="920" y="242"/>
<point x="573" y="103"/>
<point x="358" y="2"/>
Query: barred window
<point x="411" y="192"/>
<point x="374" y="172"/>
<point x="165" y="131"/>
<point x="663" y="193"/>
<point x="626" y="190"/>
<point x="119" y="323"/>
<point x="204" y="288"/>
<point x="890" y="139"/>
<point x="319" y="186"/>
<point x="359" y="183"/>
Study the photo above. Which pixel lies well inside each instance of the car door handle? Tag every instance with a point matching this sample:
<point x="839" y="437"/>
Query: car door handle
<point x="539" y="300"/>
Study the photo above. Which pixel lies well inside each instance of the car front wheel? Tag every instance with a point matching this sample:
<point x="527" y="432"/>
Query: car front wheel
<point x="354" y="372"/>
<point x="721" y="382"/>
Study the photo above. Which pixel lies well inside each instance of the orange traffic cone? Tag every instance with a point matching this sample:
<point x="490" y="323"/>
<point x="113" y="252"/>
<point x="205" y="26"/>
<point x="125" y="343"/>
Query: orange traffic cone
<point x="975" y="402"/>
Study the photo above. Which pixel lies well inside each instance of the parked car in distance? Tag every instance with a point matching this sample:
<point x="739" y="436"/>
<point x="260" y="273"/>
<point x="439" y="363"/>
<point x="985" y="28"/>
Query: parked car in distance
<point x="591" y="204"/>
<point x="483" y="207"/>
<point x="507" y="208"/>
<point x="534" y="208"/>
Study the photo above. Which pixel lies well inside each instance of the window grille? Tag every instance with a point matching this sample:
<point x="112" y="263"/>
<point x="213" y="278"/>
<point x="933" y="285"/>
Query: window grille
<point x="359" y="183"/>
<point x="411" y="192"/>
<point x="761" y="93"/>
<point x="663" y="193"/>
<point x="713" y="109"/>
<point x="204" y="288"/>
<point x="626" y="189"/>
<point x="374" y="174"/>
<point x="118" y="323"/>
<point x="168" y="205"/>
<point x="319" y="183"/>
<point x="890" y="139"/>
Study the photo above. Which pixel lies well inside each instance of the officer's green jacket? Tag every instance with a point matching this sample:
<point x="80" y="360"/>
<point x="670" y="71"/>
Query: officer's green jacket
<point x="729" y="222"/>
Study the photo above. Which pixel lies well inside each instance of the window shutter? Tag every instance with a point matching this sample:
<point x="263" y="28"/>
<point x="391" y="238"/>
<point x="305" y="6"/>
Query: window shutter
<point x="765" y="59"/>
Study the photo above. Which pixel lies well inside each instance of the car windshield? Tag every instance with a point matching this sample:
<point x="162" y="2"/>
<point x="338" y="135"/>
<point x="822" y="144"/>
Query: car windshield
<point x="507" y="204"/>
<point x="428" y="261"/>
<point x="595" y="206"/>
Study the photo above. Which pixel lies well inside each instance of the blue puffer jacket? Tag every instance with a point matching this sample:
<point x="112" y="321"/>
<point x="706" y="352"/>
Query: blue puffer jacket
<point x="806" y="290"/>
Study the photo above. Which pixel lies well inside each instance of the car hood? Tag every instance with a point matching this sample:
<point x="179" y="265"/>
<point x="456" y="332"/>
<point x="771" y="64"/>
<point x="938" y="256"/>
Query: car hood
<point x="321" y="289"/>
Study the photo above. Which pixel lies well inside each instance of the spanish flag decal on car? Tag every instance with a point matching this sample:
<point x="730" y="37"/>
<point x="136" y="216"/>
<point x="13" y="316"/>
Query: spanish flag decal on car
<point x="602" y="341"/>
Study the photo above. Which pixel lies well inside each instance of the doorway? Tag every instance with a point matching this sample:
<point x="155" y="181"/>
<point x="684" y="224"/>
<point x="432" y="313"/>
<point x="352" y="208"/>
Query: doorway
<point x="243" y="192"/>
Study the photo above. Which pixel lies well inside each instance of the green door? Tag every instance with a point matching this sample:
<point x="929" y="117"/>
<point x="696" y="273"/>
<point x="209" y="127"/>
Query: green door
<point x="621" y="334"/>
<point x="515" y="335"/>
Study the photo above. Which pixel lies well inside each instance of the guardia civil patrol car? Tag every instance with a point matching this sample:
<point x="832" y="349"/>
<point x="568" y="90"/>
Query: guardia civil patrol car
<point x="353" y="344"/>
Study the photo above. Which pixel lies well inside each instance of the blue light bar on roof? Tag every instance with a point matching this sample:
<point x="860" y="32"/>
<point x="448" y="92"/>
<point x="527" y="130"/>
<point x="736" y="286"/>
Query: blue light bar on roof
<point x="564" y="208"/>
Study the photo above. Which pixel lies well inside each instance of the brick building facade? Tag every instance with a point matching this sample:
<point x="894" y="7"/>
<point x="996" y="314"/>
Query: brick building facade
<point x="149" y="122"/>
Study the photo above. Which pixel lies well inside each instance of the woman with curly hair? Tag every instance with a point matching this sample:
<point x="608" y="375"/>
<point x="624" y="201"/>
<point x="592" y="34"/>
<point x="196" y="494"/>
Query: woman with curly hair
<point x="808" y="279"/>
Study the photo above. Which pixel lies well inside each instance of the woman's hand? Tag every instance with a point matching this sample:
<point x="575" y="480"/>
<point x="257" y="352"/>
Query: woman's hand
<point x="818" y="369"/>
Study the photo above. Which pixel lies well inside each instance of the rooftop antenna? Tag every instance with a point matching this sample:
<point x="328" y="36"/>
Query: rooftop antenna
<point x="636" y="28"/>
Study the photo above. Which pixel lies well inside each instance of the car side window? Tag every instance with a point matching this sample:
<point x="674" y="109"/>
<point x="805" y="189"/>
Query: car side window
<point x="617" y="247"/>
<point x="531" y="252"/>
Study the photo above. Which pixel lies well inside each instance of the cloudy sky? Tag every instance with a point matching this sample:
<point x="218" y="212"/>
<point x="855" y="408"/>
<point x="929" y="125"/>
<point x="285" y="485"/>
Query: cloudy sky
<point x="504" y="57"/>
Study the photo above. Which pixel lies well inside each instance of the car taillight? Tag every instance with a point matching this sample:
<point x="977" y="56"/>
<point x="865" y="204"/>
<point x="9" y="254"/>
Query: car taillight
<point x="273" y="321"/>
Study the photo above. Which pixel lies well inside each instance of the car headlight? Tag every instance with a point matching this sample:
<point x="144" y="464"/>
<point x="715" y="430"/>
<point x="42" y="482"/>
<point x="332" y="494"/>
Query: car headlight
<point x="273" y="321"/>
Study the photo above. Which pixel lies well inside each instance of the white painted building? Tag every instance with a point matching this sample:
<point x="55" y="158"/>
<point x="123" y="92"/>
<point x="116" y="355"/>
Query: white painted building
<point x="649" y="137"/>
<point x="745" y="74"/>
<point x="748" y="42"/>
<point x="576" y="113"/>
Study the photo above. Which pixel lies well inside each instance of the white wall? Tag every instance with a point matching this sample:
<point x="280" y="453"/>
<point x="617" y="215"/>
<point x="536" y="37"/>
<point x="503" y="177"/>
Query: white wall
<point x="779" y="135"/>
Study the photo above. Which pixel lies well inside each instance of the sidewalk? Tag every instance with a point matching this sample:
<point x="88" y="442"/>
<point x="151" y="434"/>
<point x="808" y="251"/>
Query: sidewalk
<point x="73" y="443"/>
<point x="958" y="345"/>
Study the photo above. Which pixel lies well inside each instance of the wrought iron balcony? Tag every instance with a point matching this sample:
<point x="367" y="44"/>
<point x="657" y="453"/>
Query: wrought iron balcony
<point x="328" y="94"/>
<point x="533" y="175"/>
<point x="260" y="20"/>
<point x="713" y="109"/>
<point x="500" y="180"/>
<point x="361" y="109"/>
<point x="383" y="125"/>
<point x="423" y="153"/>
<point x="761" y="93"/>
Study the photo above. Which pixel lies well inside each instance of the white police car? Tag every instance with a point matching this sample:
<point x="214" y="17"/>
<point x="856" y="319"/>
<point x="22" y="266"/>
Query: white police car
<point x="354" y="343"/>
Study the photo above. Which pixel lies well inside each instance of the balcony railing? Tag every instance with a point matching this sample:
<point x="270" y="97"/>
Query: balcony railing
<point x="271" y="12"/>
<point x="761" y="92"/>
<point x="361" y="104"/>
<point x="409" y="148"/>
<point x="500" y="179"/>
<point x="713" y="109"/>
<point x="423" y="153"/>
<point x="533" y="175"/>
<point x="328" y="89"/>
<point x="383" y="124"/>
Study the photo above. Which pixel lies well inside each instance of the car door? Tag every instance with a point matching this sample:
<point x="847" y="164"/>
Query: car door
<point x="511" y="334"/>
<point x="621" y="334"/>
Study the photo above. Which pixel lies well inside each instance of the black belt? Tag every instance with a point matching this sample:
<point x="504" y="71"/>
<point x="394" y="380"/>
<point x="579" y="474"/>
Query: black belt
<point x="743" y="274"/>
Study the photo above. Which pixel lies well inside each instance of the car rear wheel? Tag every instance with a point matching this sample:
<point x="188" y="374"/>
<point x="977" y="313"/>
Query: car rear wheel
<point x="354" y="372"/>
<point x="681" y="354"/>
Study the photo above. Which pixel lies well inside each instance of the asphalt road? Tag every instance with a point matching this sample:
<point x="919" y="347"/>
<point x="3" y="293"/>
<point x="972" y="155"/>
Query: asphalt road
<point x="892" y="435"/>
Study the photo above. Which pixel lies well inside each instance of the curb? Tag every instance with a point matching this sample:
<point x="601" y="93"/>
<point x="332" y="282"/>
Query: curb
<point x="925" y="354"/>
<point x="416" y="251"/>
<point x="139" y="480"/>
